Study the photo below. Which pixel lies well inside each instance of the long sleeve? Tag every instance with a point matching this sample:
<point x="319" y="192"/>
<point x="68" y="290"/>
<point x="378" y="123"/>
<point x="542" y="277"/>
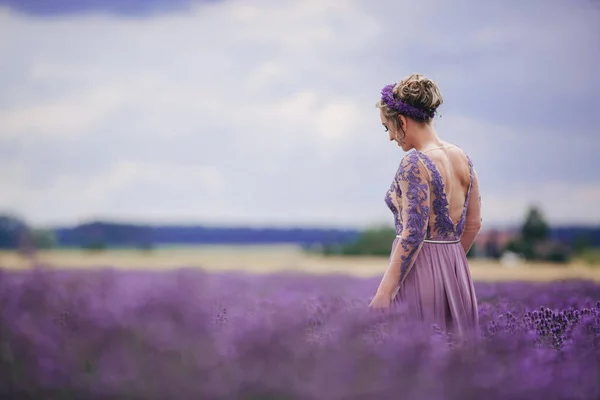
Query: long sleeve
<point x="473" y="217"/>
<point x="414" y="188"/>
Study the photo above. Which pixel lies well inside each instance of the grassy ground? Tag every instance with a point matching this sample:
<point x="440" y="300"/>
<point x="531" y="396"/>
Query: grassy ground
<point x="266" y="259"/>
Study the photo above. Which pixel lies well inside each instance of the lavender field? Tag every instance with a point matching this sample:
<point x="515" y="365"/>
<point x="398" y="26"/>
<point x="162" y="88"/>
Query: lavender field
<point x="187" y="333"/>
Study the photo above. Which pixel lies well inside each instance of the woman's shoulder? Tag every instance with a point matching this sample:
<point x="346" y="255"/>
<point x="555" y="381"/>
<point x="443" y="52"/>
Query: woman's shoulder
<point x="409" y="159"/>
<point x="410" y="165"/>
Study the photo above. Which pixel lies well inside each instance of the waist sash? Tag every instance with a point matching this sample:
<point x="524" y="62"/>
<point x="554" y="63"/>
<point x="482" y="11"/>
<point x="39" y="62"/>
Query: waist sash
<point x="438" y="241"/>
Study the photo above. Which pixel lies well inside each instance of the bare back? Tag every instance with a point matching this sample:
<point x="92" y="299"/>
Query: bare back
<point x="434" y="198"/>
<point x="453" y="166"/>
<point x="455" y="211"/>
<point x="438" y="186"/>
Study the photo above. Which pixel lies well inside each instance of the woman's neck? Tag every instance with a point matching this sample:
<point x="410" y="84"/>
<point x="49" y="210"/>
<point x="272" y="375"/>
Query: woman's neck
<point x="426" y="137"/>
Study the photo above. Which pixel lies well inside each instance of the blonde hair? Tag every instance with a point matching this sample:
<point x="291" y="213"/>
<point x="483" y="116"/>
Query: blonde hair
<point x="415" y="90"/>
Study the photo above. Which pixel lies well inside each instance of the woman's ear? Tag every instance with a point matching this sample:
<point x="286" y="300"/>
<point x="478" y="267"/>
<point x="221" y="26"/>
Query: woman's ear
<point x="402" y="120"/>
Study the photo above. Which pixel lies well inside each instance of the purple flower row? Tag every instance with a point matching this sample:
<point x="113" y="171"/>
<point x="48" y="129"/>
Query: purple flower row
<point x="190" y="334"/>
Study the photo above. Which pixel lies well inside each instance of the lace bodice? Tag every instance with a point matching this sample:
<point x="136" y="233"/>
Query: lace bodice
<point x="426" y="197"/>
<point x="418" y="200"/>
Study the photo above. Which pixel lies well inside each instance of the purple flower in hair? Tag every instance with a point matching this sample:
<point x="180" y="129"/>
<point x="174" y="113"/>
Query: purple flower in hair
<point x="387" y="95"/>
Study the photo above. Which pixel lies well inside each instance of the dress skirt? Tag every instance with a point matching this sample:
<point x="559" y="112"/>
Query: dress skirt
<point x="439" y="289"/>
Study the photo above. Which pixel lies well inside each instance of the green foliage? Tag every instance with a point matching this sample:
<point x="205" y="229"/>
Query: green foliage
<point x="330" y="250"/>
<point x="590" y="256"/>
<point x="472" y="252"/>
<point x="534" y="243"/>
<point x="44" y="239"/>
<point x="528" y="249"/>
<point x="558" y="254"/>
<point x="95" y="246"/>
<point x="535" y="229"/>
<point x="372" y="242"/>
<point x="146" y="247"/>
<point x="13" y="229"/>
<point x="581" y="244"/>
<point x="518" y="246"/>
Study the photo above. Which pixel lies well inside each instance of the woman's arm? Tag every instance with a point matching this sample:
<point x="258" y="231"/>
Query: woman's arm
<point x="413" y="183"/>
<point x="473" y="217"/>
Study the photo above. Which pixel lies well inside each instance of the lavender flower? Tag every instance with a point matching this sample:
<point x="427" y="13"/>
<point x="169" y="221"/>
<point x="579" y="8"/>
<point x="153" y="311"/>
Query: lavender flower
<point x="387" y="95"/>
<point x="110" y="334"/>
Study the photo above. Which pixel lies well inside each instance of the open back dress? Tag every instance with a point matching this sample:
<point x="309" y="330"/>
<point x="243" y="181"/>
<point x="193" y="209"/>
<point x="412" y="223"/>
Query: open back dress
<point x="435" y="200"/>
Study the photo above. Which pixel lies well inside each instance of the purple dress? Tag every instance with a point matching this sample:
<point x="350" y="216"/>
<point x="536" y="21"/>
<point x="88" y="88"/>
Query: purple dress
<point x="428" y="265"/>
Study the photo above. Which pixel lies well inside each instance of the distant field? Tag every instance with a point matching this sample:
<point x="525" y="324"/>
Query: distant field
<point x="267" y="259"/>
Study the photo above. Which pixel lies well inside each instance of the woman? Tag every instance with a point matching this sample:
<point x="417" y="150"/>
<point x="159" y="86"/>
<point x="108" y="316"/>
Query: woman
<point x="434" y="198"/>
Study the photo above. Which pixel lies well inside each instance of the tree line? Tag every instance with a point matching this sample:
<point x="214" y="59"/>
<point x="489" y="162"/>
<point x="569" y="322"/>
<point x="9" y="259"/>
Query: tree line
<point x="534" y="240"/>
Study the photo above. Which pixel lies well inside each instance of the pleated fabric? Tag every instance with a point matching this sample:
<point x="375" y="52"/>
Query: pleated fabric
<point x="439" y="289"/>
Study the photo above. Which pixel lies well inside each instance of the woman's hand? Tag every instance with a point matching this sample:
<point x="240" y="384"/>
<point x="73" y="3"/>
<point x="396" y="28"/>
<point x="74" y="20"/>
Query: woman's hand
<point x="380" y="301"/>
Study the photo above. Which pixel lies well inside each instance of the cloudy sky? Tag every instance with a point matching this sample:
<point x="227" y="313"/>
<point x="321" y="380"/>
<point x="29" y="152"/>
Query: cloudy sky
<point x="262" y="112"/>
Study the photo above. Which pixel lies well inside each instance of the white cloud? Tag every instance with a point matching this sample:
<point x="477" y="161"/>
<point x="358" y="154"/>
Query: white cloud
<point x="336" y="119"/>
<point x="70" y="115"/>
<point x="116" y="181"/>
<point x="268" y="73"/>
<point x="244" y="111"/>
<point x="561" y="203"/>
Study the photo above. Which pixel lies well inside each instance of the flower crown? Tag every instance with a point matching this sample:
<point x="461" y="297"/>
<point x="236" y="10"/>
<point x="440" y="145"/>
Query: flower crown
<point x="387" y="95"/>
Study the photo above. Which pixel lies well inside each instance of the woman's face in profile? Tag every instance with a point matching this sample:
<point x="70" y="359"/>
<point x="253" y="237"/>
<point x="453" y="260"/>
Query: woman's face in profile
<point x="394" y="133"/>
